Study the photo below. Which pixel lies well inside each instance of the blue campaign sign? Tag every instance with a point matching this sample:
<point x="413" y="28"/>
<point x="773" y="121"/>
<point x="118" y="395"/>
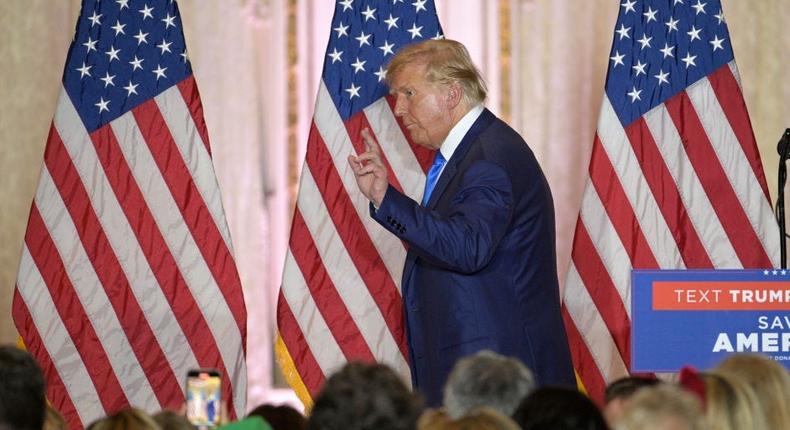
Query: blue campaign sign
<point x="698" y="317"/>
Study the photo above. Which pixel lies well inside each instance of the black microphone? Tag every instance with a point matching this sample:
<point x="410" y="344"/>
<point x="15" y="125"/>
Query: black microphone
<point x="781" y="147"/>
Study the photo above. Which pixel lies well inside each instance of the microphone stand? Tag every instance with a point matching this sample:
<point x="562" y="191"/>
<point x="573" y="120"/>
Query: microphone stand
<point x="783" y="148"/>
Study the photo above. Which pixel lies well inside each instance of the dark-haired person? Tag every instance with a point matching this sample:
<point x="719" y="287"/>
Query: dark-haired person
<point x="365" y="397"/>
<point x="281" y="417"/>
<point x="619" y="391"/>
<point x="557" y="408"/>
<point x="22" y="399"/>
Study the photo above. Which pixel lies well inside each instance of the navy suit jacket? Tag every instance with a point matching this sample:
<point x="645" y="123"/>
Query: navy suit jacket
<point x="481" y="269"/>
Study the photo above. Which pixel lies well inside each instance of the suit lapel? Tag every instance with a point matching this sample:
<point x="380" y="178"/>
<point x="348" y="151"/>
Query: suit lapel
<point x="483" y="121"/>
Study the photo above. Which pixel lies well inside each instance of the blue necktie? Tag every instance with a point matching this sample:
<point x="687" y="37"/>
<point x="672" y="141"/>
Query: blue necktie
<point x="433" y="176"/>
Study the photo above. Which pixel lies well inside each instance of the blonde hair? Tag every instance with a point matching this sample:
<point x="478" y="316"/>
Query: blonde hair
<point x="127" y="419"/>
<point x="53" y="420"/>
<point x="660" y="406"/>
<point x="446" y="62"/>
<point x="479" y="419"/>
<point x="730" y="404"/>
<point x="769" y="381"/>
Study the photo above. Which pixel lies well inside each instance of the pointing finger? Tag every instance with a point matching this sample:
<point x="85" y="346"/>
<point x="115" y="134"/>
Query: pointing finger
<point x="370" y="143"/>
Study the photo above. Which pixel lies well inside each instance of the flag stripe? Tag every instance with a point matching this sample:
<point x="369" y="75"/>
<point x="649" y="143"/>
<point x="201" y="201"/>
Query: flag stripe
<point x="108" y="270"/>
<point x="95" y="299"/>
<point x="180" y="123"/>
<point x="720" y="192"/>
<point x="45" y="256"/>
<point x="332" y="129"/>
<point x="736" y="167"/>
<point x="307" y="366"/>
<point x="146" y="248"/>
<point x="730" y="98"/>
<point x="588" y="320"/>
<point x="587" y="261"/>
<point x="193" y="209"/>
<point x="610" y="248"/>
<point x="115" y="180"/>
<point x="190" y="94"/>
<point x="353" y="277"/>
<point x="331" y="306"/>
<point x="53" y="348"/>
<point x="703" y="219"/>
<point x="614" y="142"/>
<point x="583" y="361"/>
<point x="618" y="207"/>
<point x="189" y="261"/>
<point x="383" y="291"/>
<point x="665" y="191"/>
<point x="181" y="326"/>
<point x="314" y="328"/>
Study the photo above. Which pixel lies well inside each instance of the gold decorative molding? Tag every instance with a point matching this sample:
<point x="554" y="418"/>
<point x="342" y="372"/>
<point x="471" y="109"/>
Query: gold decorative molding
<point x="292" y="103"/>
<point x="505" y="62"/>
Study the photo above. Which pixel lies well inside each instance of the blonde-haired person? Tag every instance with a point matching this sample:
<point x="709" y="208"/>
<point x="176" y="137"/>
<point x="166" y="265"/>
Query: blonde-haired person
<point x="658" y="407"/>
<point x="53" y="420"/>
<point x="731" y="404"/>
<point x="769" y="380"/>
<point x="479" y="419"/>
<point x="127" y="419"/>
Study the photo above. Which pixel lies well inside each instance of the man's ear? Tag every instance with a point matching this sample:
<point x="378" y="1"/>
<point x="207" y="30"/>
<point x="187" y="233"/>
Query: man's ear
<point x="454" y="95"/>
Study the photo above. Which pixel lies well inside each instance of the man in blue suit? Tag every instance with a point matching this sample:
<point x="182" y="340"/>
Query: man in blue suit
<point x="481" y="270"/>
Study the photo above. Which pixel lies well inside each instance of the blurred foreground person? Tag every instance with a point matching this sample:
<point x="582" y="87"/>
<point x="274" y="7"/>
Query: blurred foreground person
<point x="53" y="420"/>
<point x="487" y="379"/>
<point x="282" y="417"/>
<point x="22" y="401"/>
<point x="618" y="392"/>
<point x="769" y="380"/>
<point x="170" y="420"/>
<point x="365" y="397"/>
<point x="478" y="419"/>
<point x="661" y="407"/>
<point x="556" y="408"/>
<point x="127" y="419"/>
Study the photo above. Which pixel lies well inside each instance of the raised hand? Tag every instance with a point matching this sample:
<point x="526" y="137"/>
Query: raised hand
<point x="369" y="170"/>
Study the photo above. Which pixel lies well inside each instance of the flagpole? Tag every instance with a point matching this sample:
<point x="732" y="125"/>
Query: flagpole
<point x="782" y="148"/>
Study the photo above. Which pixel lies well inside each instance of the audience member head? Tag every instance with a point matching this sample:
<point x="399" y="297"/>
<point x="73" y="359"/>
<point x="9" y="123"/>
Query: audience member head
<point x="555" y="408"/>
<point x="619" y="391"/>
<point x="53" y="420"/>
<point x="22" y="400"/>
<point x="659" y="407"/>
<point x="487" y="379"/>
<point x="769" y="380"/>
<point x="731" y="404"/>
<point x="365" y="397"/>
<point x="478" y="419"/>
<point x="170" y="420"/>
<point x="127" y="419"/>
<point x="281" y="417"/>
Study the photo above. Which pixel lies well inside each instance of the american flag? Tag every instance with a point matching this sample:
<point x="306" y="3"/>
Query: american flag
<point x="127" y="277"/>
<point x="340" y="296"/>
<point x="675" y="180"/>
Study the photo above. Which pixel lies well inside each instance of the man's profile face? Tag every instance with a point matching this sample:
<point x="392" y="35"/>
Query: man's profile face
<point x="422" y="106"/>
